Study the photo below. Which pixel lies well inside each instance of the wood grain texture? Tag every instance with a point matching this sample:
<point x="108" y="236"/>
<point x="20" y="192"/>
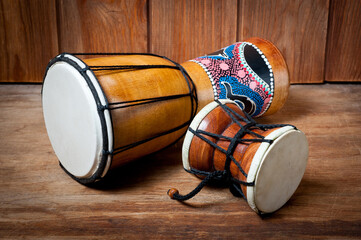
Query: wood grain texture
<point x="138" y="123"/>
<point x="28" y="39"/>
<point x="102" y="26"/>
<point x="298" y="28"/>
<point x="32" y="32"/>
<point x="39" y="201"/>
<point x="185" y="29"/>
<point x="343" y="42"/>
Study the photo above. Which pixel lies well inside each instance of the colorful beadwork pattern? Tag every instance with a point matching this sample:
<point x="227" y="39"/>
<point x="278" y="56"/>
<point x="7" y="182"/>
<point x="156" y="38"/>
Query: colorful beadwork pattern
<point x="242" y="73"/>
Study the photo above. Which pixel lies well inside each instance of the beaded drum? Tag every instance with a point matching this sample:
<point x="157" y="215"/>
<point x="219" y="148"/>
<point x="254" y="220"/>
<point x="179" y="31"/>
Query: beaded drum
<point x="262" y="163"/>
<point x="103" y="112"/>
<point x="252" y="73"/>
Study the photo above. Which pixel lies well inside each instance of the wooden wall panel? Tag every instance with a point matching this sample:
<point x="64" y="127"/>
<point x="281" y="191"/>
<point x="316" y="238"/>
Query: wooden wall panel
<point x="28" y="39"/>
<point x="34" y="31"/>
<point x="298" y="28"/>
<point x="102" y="26"/>
<point x="343" y="41"/>
<point x="185" y="29"/>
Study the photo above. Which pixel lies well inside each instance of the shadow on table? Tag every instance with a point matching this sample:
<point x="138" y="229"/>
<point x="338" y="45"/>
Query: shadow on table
<point x="139" y="171"/>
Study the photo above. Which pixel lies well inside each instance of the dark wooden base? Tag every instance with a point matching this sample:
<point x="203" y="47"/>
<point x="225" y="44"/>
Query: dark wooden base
<point x="38" y="200"/>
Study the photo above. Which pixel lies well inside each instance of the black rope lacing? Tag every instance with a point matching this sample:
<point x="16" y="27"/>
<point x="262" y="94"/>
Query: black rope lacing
<point x="192" y="94"/>
<point x="225" y="176"/>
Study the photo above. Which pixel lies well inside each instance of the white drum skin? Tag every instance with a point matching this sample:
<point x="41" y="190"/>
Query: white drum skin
<point x="277" y="170"/>
<point x="72" y="118"/>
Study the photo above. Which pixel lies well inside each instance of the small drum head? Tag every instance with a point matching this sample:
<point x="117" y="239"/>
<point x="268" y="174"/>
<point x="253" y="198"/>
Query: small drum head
<point x="75" y="126"/>
<point x="277" y="170"/>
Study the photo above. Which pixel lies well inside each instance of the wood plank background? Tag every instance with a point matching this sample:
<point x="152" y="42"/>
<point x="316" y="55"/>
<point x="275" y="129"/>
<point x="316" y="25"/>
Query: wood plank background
<point x="102" y="26"/>
<point x="184" y="30"/>
<point x="298" y="28"/>
<point x="28" y="39"/>
<point x="343" y="42"/>
<point x="319" y="39"/>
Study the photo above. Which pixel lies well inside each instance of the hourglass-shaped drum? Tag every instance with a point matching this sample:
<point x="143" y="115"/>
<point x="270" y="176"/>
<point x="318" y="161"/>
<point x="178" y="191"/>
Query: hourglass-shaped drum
<point x="261" y="162"/>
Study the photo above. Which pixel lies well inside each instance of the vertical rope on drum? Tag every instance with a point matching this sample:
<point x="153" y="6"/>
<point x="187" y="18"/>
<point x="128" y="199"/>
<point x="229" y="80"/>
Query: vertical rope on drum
<point x="225" y="175"/>
<point x="192" y="94"/>
<point x="86" y="71"/>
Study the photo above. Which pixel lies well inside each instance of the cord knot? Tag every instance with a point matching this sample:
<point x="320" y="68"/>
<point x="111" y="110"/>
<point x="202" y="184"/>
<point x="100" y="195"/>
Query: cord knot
<point x="172" y="192"/>
<point x="102" y="107"/>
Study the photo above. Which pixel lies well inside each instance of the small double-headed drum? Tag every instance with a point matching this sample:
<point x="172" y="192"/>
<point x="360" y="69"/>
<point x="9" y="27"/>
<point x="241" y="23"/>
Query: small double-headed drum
<point x="263" y="163"/>
<point x="103" y="112"/>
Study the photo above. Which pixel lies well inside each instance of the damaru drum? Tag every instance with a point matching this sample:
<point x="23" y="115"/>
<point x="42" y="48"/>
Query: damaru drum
<point x="262" y="163"/>
<point x="103" y="112"/>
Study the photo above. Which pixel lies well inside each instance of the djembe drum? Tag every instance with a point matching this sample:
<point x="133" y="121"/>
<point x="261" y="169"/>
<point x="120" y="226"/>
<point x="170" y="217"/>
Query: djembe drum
<point x="103" y="112"/>
<point x="262" y="163"/>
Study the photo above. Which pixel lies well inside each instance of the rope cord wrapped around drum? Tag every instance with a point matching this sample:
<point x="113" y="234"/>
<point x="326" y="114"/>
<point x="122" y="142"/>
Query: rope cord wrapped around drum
<point x="87" y="71"/>
<point x="225" y="175"/>
<point x="192" y="94"/>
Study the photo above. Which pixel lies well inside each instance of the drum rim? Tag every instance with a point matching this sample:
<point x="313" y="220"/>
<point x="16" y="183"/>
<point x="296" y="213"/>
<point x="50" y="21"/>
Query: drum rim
<point x="194" y="125"/>
<point x="104" y="115"/>
<point x="258" y="160"/>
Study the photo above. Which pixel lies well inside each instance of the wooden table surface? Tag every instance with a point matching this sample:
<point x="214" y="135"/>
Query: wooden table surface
<point x="38" y="200"/>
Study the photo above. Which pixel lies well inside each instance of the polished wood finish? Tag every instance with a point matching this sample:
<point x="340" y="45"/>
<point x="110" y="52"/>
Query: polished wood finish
<point x="204" y="157"/>
<point x="343" y="46"/>
<point x="28" y="39"/>
<point x="102" y="26"/>
<point x="38" y="200"/>
<point x="297" y="27"/>
<point x="138" y="123"/>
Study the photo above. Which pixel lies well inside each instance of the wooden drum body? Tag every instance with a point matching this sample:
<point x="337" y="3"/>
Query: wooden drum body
<point x="266" y="162"/>
<point x="99" y="116"/>
<point x="103" y="112"/>
<point x="252" y="73"/>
